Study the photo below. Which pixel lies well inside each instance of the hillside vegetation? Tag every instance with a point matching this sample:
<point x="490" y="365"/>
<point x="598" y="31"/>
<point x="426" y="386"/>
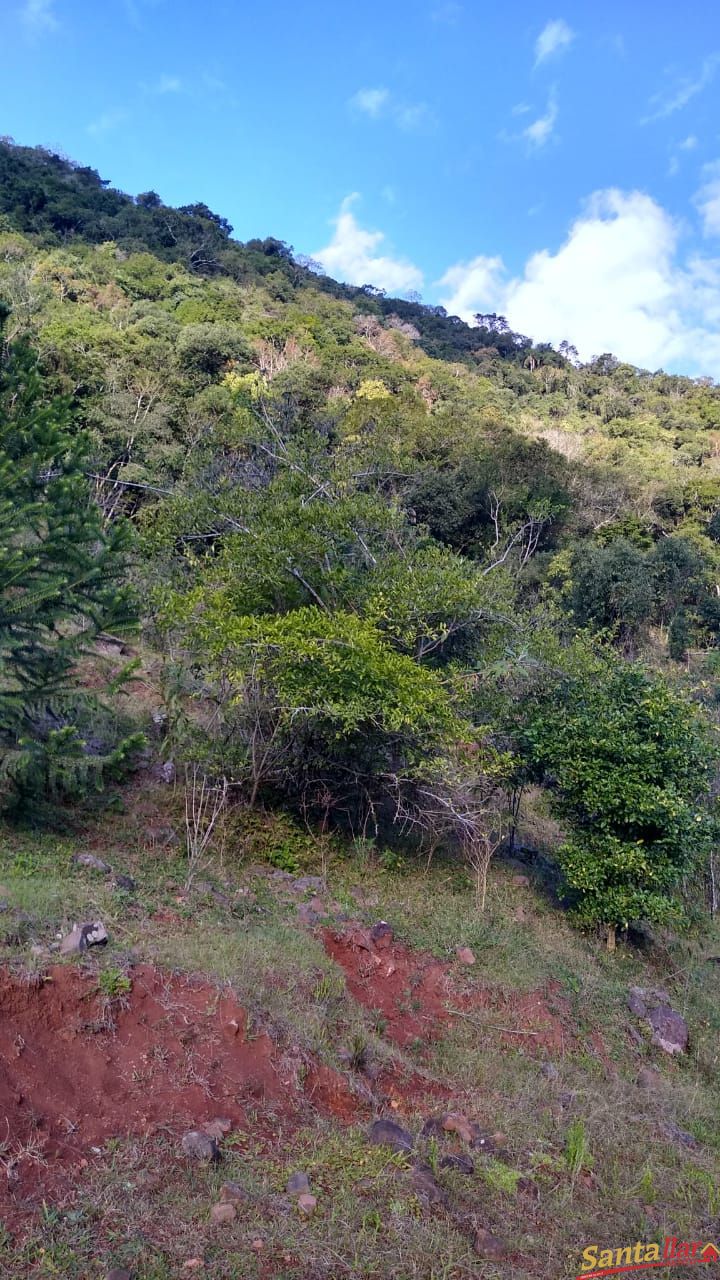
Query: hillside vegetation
<point x="307" y="586"/>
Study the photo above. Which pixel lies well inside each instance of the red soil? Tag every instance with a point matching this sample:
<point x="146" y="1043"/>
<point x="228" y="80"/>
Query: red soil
<point x="175" y="1057"/>
<point x="417" y="997"/>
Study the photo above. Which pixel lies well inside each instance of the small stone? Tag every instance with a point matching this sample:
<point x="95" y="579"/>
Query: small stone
<point x="549" y="1071"/>
<point x="257" y="1245"/>
<point x="465" y="955"/>
<point x="486" y="1245"/>
<point x="462" y="1163"/>
<point x="386" y="1133"/>
<point x="165" y="772"/>
<point x="119" y="1273"/>
<point x="306" y="1203"/>
<point x="232" y="1191"/>
<point x="381" y="935"/>
<point x="89" y="860"/>
<point x="426" y="1186"/>
<point x="224" y="1213"/>
<point x="298" y="1184"/>
<point x="454" y="1123"/>
<point x="193" y="1264"/>
<point x="126" y="883"/>
<point x="521" y="882"/>
<point x="218" y="1128"/>
<point x="199" y="1145"/>
<point x="520" y="915"/>
<point x="648" y="1078"/>
<point x="83" y="936"/>
<point x="307" y="914"/>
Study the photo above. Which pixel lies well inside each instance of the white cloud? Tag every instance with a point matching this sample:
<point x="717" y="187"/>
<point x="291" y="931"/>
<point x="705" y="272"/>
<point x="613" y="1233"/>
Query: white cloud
<point x="707" y="199"/>
<point x="353" y="255"/>
<point x="540" y="131"/>
<point x="555" y="37"/>
<point x="106" y="122"/>
<point x="380" y="103"/>
<point x="689" y="143"/>
<point x="39" y="16"/>
<point x="168" y="84"/>
<point x="666" y="104"/>
<point x="372" y="102"/>
<point x="616" y="284"/>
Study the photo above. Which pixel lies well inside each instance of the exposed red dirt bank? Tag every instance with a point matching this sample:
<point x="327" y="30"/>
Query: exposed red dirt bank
<point x="417" y="997"/>
<point x="172" y="1055"/>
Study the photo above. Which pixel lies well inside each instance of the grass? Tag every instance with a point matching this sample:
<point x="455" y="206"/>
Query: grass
<point x="588" y="1156"/>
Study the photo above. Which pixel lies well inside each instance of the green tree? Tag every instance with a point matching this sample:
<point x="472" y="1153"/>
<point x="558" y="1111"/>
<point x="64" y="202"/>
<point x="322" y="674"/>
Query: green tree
<point x="627" y="762"/>
<point x="60" y="585"/>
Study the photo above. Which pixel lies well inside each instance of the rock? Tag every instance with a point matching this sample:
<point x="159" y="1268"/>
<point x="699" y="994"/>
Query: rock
<point x="462" y="1163"/>
<point x="486" y="1245"/>
<point x="307" y="914"/>
<point x="125" y="882"/>
<point x="119" y="1273"/>
<point x="465" y="955"/>
<point x="223" y="1213"/>
<point x="433" y="1128"/>
<point x="381" y="935"/>
<point x="386" y="1133"/>
<point x="676" y="1134"/>
<point x="309" y="884"/>
<point x="521" y="882"/>
<point x="232" y="1191"/>
<point x="455" y="1123"/>
<point x="89" y="860"/>
<point x="83" y="936"/>
<point x="425" y="1184"/>
<point x="648" y="1078"/>
<point x="549" y="1071"/>
<point x="217" y="1128"/>
<point x="298" y="1184"/>
<point x="669" y="1028"/>
<point x="306" y="1203"/>
<point x="165" y="772"/>
<point x="520" y="915"/>
<point x="199" y="1145"/>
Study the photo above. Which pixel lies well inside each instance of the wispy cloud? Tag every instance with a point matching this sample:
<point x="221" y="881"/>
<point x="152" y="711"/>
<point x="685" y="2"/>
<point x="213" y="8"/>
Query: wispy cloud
<point x="669" y="101"/>
<point x="379" y="103"/>
<point x="106" y="122"/>
<point x="371" y="102"/>
<point x="168" y="84"/>
<point x="448" y="14"/>
<point x="555" y="37"/>
<point x="38" y="16"/>
<point x="707" y="199"/>
<point x="541" y="130"/>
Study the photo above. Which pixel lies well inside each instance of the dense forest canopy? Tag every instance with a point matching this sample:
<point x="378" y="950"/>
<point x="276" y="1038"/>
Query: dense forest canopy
<point x="402" y="569"/>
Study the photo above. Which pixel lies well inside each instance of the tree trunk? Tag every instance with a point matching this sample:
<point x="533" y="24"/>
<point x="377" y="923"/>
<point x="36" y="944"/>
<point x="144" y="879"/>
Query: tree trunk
<point x="610" y="937"/>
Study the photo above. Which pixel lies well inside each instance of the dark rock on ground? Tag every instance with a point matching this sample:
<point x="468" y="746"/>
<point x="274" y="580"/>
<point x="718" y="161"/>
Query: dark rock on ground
<point x="462" y="1163"/>
<point x="223" y="1214"/>
<point x="201" y="1146"/>
<point x="486" y="1245"/>
<point x="550" y="1071"/>
<point x="298" y="1184"/>
<point x="232" y="1191"/>
<point x="125" y="882"/>
<point x="381" y="934"/>
<point x="386" y="1133"/>
<point x="425" y="1184"/>
<point x="648" y="1078"/>
<point x="669" y="1028"/>
<point x="309" y="884"/>
<point x="676" y="1134"/>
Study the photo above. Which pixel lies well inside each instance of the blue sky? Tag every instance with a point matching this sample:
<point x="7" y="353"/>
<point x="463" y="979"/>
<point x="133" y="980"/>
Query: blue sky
<point x="561" y="165"/>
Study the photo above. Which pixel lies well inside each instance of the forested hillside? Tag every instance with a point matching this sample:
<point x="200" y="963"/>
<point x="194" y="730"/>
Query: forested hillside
<point x="401" y="568"/>
<point x="358" y="769"/>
